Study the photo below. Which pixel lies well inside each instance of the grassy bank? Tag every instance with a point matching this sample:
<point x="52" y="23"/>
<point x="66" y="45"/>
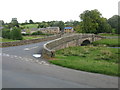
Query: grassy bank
<point x="31" y="37"/>
<point x="24" y="38"/>
<point x="108" y="42"/>
<point x="88" y="58"/>
<point x="107" y="34"/>
<point x="7" y="40"/>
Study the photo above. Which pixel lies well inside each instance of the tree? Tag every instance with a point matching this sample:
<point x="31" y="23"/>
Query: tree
<point x="76" y="26"/>
<point x="15" y="34"/>
<point x="6" y="33"/>
<point x="114" y="21"/>
<point x="31" y="21"/>
<point x="59" y="24"/>
<point x="93" y="22"/>
<point x="37" y="33"/>
<point x="43" y="25"/>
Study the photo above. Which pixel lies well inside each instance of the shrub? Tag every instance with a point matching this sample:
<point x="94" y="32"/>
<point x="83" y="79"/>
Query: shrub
<point x="6" y="33"/>
<point x="37" y="33"/>
<point x="15" y="34"/>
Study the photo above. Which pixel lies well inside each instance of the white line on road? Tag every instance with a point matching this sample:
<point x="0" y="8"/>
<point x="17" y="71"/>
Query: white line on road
<point x="26" y="49"/>
<point x="24" y="59"/>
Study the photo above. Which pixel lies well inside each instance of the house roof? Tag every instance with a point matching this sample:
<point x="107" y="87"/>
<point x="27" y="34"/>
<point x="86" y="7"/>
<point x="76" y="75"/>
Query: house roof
<point x="68" y="28"/>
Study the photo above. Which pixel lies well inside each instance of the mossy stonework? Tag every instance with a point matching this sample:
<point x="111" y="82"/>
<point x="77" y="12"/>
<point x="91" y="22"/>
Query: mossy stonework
<point x="67" y="41"/>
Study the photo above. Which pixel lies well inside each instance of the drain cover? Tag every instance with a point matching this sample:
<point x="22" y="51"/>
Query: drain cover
<point x="37" y="55"/>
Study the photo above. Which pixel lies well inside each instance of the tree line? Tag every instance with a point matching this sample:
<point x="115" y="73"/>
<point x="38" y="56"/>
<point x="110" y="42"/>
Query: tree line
<point x="92" y="21"/>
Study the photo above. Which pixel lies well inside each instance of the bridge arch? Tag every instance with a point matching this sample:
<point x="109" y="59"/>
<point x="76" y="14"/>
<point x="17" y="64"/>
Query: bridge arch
<point x="67" y="41"/>
<point x="85" y="42"/>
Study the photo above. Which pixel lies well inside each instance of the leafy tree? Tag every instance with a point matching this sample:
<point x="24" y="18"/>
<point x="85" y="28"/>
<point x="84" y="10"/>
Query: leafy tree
<point x="77" y="29"/>
<point x="93" y="22"/>
<point x="59" y="24"/>
<point x="6" y="33"/>
<point x="114" y="21"/>
<point x="43" y="24"/>
<point x="37" y="33"/>
<point x="31" y="21"/>
<point x="15" y="34"/>
<point x="69" y="23"/>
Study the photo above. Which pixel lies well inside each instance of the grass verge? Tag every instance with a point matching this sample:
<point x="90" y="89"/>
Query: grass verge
<point x="24" y="38"/>
<point x="7" y="40"/>
<point x="107" y="34"/>
<point x="108" y="42"/>
<point x="31" y="37"/>
<point x="87" y="58"/>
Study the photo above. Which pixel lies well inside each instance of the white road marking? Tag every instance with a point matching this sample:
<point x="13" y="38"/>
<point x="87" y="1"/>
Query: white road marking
<point x="7" y="55"/>
<point x="24" y="59"/>
<point x="15" y="56"/>
<point x="37" y="55"/>
<point x="26" y="49"/>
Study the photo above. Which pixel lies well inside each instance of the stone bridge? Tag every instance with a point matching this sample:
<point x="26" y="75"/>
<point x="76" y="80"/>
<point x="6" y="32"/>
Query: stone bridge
<point x="67" y="41"/>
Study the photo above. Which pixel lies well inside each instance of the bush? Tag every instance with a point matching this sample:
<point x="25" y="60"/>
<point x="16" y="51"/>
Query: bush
<point x="37" y="33"/>
<point x="6" y="33"/>
<point x="14" y="34"/>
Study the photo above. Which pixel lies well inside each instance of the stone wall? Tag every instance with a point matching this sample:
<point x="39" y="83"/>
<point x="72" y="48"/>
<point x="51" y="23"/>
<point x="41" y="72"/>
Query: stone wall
<point x="64" y="42"/>
<point x="24" y="42"/>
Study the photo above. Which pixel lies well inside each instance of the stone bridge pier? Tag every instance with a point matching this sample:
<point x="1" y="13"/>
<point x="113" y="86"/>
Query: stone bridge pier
<point x="67" y="41"/>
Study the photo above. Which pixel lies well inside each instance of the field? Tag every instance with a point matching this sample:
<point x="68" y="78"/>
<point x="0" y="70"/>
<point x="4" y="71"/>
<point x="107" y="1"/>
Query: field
<point x="30" y="25"/>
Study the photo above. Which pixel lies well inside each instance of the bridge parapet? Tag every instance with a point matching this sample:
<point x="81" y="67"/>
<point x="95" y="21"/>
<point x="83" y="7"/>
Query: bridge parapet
<point x="66" y="41"/>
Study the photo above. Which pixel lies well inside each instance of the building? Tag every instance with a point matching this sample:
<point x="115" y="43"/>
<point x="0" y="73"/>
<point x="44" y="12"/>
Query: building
<point x="1" y="22"/>
<point x="50" y="30"/>
<point x="14" y="20"/>
<point x="68" y="29"/>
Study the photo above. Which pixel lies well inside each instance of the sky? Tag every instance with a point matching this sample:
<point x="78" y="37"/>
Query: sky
<point x="57" y="10"/>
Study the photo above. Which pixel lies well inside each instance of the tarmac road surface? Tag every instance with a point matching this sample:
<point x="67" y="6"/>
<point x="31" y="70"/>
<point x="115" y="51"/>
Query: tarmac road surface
<point x="21" y="70"/>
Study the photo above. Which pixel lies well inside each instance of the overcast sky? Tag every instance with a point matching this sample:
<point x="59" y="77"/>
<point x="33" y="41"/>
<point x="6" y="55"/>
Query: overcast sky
<point x="49" y="10"/>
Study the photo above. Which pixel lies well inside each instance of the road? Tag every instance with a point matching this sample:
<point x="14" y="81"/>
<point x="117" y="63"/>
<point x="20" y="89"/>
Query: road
<point x="21" y="70"/>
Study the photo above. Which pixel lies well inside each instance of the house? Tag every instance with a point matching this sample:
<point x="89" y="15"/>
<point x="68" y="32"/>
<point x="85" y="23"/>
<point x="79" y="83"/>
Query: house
<point x="50" y="30"/>
<point x="68" y="29"/>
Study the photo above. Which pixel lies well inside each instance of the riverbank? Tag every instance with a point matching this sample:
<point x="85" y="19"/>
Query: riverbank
<point x="100" y="57"/>
<point x="91" y="59"/>
<point x="110" y="42"/>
